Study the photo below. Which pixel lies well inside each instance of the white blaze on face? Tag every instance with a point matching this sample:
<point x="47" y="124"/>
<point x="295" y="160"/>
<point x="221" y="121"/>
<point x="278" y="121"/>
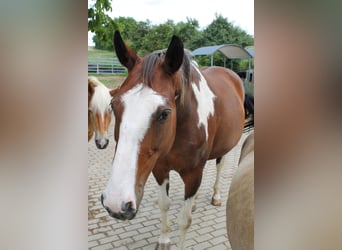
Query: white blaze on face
<point x="205" y="102"/>
<point x="139" y="104"/>
<point x="100" y="104"/>
<point x="101" y="100"/>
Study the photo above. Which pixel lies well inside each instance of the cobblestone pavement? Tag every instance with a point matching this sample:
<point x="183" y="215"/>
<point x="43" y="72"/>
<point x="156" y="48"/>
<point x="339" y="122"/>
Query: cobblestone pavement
<point x="208" y="228"/>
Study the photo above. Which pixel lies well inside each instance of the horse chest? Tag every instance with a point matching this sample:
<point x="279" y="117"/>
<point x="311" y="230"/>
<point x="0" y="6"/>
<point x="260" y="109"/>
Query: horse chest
<point x="188" y="151"/>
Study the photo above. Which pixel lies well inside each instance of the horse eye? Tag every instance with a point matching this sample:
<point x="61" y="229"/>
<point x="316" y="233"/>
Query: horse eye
<point x="162" y="116"/>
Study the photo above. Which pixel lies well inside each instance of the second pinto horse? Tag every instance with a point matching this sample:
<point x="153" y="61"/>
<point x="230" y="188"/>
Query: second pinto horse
<point x="99" y="112"/>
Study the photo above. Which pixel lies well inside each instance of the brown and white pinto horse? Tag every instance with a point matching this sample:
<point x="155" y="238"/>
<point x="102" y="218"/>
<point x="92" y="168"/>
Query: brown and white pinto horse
<point x="99" y="112"/>
<point x="169" y="116"/>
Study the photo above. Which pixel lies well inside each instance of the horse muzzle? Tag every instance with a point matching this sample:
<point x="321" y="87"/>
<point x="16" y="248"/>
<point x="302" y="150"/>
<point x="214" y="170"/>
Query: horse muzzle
<point x="127" y="211"/>
<point x="101" y="143"/>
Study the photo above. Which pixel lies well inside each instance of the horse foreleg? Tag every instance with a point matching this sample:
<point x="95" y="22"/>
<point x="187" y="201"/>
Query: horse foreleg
<point x="164" y="205"/>
<point x="192" y="181"/>
<point x="216" y="199"/>
<point x="195" y="202"/>
<point x="185" y="219"/>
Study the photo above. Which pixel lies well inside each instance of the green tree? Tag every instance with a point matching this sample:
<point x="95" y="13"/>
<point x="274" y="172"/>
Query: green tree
<point x="158" y="37"/>
<point x="221" y="31"/>
<point x="101" y="24"/>
<point x="132" y="31"/>
<point x="143" y="37"/>
<point x="188" y="31"/>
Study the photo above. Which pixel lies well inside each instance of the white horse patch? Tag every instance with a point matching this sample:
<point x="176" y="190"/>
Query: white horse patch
<point x="139" y="104"/>
<point x="205" y="102"/>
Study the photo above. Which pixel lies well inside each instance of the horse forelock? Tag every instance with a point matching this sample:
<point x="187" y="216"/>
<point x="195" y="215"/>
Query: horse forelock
<point x="148" y="66"/>
<point x="101" y="99"/>
<point x="185" y="73"/>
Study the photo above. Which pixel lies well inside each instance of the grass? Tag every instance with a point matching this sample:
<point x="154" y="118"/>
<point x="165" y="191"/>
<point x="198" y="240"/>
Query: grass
<point x="92" y="52"/>
<point x="104" y="59"/>
<point x="96" y="56"/>
<point x="109" y="80"/>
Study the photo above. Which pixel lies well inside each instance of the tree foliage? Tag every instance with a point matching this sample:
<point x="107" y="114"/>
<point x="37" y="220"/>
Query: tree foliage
<point x="221" y="31"/>
<point x="132" y="31"/>
<point x="144" y="37"/>
<point x="96" y="14"/>
<point x="100" y="23"/>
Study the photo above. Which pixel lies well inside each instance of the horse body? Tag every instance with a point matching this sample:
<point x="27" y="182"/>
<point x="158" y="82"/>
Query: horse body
<point x="99" y="112"/>
<point x="169" y="116"/>
<point x="196" y="142"/>
<point x="229" y="121"/>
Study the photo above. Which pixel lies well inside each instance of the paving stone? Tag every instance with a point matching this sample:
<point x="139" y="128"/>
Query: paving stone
<point x="103" y="247"/>
<point x="92" y="244"/>
<point x="203" y="238"/>
<point x="218" y="240"/>
<point x="96" y="237"/>
<point x="220" y="247"/>
<point x="205" y="230"/>
<point x="202" y="246"/>
<point x="138" y="244"/>
<point x="147" y="229"/>
<point x="109" y="239"/>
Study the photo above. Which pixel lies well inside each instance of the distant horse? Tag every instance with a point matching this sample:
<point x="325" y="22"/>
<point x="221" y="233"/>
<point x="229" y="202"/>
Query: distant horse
<point x="240" y="203"/>
<point x="99" y="112"/>
<point x="169" y="116"/>
<point x="249" y="108"/>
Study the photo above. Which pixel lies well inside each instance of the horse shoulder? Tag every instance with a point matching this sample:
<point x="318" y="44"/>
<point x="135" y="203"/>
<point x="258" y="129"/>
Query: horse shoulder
<point x="220" y="79"/>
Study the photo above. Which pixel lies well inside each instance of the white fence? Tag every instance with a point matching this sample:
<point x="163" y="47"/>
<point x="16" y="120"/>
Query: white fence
<point x="110" y="66"/>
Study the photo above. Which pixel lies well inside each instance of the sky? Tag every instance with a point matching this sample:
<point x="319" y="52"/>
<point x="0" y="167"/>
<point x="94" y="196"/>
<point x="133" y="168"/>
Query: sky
<point x="239" y="12"/>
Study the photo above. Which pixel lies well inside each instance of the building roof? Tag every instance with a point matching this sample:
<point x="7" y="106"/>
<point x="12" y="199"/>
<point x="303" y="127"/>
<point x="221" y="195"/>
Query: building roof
<point x="231" y="51"/>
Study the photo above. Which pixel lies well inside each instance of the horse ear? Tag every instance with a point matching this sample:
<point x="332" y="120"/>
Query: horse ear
<point x="126" y="55"/>
<point x="174" y="56"/>
<point x="91" y="87"/>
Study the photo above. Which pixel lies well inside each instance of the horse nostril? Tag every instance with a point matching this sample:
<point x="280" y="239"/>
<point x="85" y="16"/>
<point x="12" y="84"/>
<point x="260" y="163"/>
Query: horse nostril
<point x="127" y="207"/>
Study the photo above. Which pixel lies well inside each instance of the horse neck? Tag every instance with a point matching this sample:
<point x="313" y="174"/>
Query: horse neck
<point x="187" y="97"/>
<point x="186" y="107"/>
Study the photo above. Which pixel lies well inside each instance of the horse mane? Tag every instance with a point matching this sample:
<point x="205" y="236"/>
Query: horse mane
<point x="186" y="72"/>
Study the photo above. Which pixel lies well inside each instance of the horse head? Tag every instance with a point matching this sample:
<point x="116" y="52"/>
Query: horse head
<point x="145" y="123"/>
<point x="99" y="112"/>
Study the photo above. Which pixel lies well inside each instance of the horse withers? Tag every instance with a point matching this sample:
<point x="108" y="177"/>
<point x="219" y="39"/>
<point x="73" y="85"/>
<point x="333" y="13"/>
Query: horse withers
<point x="99" y="112"/>
<point x="169" y="115"/>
